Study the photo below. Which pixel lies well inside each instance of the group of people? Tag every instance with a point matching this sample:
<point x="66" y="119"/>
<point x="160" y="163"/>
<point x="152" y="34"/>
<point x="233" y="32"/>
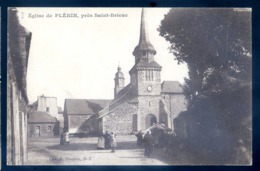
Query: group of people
<point x="145" y="139"/>
<point x="107" y="141"/>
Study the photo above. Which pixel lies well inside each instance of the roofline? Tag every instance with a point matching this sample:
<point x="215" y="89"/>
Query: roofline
<point x="89" y="99"/>
<point x="44" y="122"/>
<point x="172" y="92"/>
<point x="79" y="114"/>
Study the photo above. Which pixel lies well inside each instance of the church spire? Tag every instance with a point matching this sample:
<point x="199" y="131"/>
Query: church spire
<point x="144" y="48"/>
<point x="144" y="37"/>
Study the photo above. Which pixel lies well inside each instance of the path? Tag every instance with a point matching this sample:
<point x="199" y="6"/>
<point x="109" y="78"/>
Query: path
<point x="82" y="151"/>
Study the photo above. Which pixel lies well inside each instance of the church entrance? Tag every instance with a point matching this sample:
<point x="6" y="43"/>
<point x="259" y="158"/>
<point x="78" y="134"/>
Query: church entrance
<point x="150" y="120"/>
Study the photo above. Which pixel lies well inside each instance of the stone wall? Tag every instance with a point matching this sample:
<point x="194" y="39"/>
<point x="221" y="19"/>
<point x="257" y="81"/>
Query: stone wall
<point x="176" y="103"/>
<point x="147" y="105"/>
<point x="17" y="60"/>
<point x="120" y="121"/>
<point x="143" y="83"/>
<point x="45" y="131"/>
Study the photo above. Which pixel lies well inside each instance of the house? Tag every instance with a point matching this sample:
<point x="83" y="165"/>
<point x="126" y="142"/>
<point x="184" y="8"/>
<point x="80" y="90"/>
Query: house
<point x="48" y="105"/>
<point x="18" y="42"/>
<point x="77" y="111"/>
<point x="42" y="124"/>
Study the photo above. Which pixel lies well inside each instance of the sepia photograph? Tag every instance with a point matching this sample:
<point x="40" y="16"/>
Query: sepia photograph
<point x="129" y="86"/>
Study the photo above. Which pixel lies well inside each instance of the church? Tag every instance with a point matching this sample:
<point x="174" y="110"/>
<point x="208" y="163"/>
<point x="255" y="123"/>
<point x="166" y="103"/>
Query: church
<point x="146" y="100"/>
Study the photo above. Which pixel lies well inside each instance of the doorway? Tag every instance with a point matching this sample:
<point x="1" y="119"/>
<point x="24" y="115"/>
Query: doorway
<point x="150" y="120"/>
<point x="38" y="131"/>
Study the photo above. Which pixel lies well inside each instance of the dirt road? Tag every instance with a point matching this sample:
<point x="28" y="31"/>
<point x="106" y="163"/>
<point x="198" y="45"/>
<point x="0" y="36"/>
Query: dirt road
<point x="83" y="151"/>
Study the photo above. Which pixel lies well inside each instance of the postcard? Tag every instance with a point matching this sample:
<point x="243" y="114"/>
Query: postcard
<point x="129" y="86"/>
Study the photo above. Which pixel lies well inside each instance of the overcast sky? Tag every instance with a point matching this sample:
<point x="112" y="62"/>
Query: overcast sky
<point x="78" y="57"/>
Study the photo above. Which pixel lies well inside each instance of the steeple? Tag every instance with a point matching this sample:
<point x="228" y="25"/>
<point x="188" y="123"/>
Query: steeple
<point x="144" y="50"/>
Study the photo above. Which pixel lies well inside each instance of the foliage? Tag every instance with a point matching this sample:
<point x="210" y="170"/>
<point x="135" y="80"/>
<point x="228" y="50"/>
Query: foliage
<point x="216" y="46"/>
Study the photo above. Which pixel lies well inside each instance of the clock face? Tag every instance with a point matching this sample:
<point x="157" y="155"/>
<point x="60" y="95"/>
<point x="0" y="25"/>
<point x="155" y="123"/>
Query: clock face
<point x="149" y="88"/>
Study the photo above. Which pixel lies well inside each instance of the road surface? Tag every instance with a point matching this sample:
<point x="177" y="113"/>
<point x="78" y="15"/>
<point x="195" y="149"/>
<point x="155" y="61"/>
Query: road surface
<point x="83" y="151"/>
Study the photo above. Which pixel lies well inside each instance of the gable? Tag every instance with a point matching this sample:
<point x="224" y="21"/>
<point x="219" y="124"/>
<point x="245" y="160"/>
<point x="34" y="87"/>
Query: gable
<point x="40" y="117"/>
<point x="84" y="106"/>
<point x="171" y="87"/>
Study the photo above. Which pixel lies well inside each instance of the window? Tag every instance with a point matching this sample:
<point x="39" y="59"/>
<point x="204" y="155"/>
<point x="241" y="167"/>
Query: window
<point x="37" y="128"/>
<point x="49" y="128"/>
<point x="149" y="75"/>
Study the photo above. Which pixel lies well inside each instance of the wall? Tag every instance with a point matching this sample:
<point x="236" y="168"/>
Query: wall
<point x="120" y="121"/>
<point x="17" y="59"/>
<point x="50" y="102"/>
<point x="75" y="121"/>
<point x="44" y="132"/>
<point x="90" y="126"/>
<point x="175" y="103"/>
<point x="143" y="83"/>
<point x="147" y="105"/>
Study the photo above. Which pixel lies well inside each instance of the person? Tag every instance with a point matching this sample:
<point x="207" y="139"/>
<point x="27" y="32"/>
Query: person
<point x="148" y="144"/>
<point x="101" y="142"/>
<point x="113" y="142"/>
<point x="66" y="137"/>
<point x="62" y="138"/>
<point x="139" y="136"/>
<point x="107" y="138"/>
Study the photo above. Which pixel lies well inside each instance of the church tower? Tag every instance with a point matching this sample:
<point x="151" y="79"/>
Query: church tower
<point x="119" y="81"/>
<point x="145" y="74"/>
<point x="146" y="80"/>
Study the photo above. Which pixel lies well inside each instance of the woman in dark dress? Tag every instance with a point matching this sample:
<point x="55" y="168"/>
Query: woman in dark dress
<point x="148" y="144"/>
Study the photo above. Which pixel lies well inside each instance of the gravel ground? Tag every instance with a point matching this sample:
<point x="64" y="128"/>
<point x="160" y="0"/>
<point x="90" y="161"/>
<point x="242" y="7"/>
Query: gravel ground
<point x="82" y="151"/>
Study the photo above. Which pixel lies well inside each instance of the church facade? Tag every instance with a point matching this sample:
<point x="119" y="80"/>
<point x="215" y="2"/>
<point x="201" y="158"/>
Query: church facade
<point x="146" y="99"/>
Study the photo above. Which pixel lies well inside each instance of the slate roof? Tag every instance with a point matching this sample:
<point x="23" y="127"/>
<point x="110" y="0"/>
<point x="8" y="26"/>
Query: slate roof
<point x="123" y="96"/>
<point x="144" y="64"/>
<point x="171" y="87"/>
<point x="40" y="117"/>
<point x="152" y="64"/>
<point x="84" y="106"/>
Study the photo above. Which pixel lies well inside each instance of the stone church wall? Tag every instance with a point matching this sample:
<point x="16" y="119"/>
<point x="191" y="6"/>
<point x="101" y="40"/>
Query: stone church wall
<point x="147" y="105"/>
<point x="120" y="121"/>
<point x="143" y="84"/>
<point x="175" y="103"/>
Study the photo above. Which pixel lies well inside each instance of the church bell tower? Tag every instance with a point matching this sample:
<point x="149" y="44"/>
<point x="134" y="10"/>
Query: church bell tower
<point x="119" y="81"/>
<point x="145" y="74"/>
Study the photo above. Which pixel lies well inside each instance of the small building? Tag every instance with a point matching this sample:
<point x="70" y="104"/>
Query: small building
<point x="42" y="124"/>
<point x="48" y="105"/>
<point x="78" y="111"/>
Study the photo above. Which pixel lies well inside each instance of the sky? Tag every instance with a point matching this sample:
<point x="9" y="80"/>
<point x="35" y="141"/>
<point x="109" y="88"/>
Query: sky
<point x="75" y="57"/>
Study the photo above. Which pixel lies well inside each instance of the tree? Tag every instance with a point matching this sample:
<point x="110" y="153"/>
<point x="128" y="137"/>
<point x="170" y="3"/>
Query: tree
<point x="216" y="46"/>
<point x="215" y="43"/>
